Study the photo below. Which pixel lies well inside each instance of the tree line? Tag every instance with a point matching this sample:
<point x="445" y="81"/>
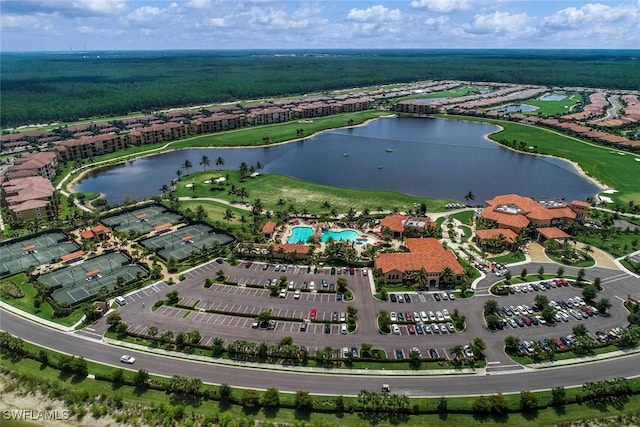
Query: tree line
<point x="45" y="88"/>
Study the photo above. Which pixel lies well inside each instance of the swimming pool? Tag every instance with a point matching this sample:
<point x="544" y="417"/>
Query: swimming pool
<point x="349" y="235"/>
<point x="300" y="234"/>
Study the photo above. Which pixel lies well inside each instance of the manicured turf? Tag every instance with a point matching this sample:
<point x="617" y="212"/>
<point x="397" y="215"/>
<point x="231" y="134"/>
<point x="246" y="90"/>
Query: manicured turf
<point x="270" y="188"/>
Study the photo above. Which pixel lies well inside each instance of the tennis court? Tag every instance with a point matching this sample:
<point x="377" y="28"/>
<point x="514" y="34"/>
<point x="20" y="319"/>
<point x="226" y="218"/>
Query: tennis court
<point x="19" y="255"/>
<point x="182" y="242"/>
<point x="142" y="220"/>
<point x="82" y="281"/>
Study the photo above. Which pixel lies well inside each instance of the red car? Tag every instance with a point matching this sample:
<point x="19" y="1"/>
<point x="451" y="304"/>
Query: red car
<point x="411" y="329"/>
<point x="248" y="264"/>
<point x="408" y="316"/>
<point x="312" y="314"/>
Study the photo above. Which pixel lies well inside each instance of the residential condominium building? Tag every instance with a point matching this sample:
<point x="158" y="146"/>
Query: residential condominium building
<point x="31" y="198"/>
<point x="34" y="164"/>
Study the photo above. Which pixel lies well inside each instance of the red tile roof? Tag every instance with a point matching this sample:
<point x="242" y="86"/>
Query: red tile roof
<point x="72" y="255"/>
<point x="269" y="227"/>
<point x="290" y="248"/>
<point x="394" y="222"/>
<point x="425" y="253"/>
<point x="552" y="233"/>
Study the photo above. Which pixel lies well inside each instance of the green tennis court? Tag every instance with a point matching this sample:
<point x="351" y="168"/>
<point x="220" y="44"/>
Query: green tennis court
<point x="184" y="241"/>
<point x="82" y="281"/>
<point x="142" y="220"/>
<point x="19" y="255"/>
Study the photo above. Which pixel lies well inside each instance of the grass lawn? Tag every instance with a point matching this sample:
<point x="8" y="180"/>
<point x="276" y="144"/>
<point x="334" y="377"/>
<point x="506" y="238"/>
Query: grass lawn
<point x="270" y="188"/>
<point x="453" y="93"/>
<point x="603" y="163"/>
<point x="26" y="303"/>
<point x="464" y="217"/>
<point x="508" y="258"/>
<point x="160" y="400"/>
<point x="552" y="108"/>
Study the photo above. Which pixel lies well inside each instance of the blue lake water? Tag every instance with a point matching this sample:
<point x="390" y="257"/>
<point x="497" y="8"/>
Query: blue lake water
<point x="515" y="108"/>
<point x="553" y="97"/>
<point x="429" y="158"/>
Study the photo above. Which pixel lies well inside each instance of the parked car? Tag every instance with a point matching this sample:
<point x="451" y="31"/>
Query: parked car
<point x="395" y="329"/>
<point x="393" y="316"/>
<point x="411" y="329"/>
<point x="313" y="314"/>
<point x="303" y="326"/>
<point x="327" y="328"/>
<point x="393" y="297"/>
<point x="343" y="329"/>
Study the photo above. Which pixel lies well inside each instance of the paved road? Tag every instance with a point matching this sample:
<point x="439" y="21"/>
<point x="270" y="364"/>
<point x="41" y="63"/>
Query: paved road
<point x="329" y="384"/>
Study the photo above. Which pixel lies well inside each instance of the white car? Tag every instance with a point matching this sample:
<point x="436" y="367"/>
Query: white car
<point x="424" y="317"/>
<point x="312" y="286"/>
<point x="393" y="317"/>
<point x="446" y="315"/>
<point x="296" y="294"/>
<point x="343" y="329"/>
<point x="432" y="316"/>
<point x="439" y="316"/>
<point x="130" y="360"/>
<point x="395" y="329"/>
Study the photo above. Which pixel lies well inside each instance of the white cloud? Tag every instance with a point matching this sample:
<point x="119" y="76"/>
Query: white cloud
<point x="374" y="13"/>
<point x="498" y="23"/>
<point x="441" y="6"/>
<point x="436" y="23"/>
<point x="589" y="14"/>
<point x="64" y="8"/>
<point x="144" y="13"/>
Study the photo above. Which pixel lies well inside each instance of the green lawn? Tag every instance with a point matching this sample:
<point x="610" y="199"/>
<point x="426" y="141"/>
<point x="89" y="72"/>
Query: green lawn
<point x="26" y="303"/>
<point x="508" y="258"/>
<point x="270" y="188"/>
<point x="160" y="403"/>
<point x="552" y="108"/>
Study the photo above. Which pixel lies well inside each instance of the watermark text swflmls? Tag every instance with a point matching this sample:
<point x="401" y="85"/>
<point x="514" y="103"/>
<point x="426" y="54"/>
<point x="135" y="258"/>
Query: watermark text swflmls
<point x="36" y="414"/>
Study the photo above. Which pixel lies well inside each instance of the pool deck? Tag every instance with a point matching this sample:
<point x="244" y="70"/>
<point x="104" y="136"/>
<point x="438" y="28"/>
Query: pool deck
<point x="366" y="235"/>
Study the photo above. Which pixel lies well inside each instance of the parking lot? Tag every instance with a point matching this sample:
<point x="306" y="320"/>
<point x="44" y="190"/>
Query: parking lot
<point x="229" y="312"/>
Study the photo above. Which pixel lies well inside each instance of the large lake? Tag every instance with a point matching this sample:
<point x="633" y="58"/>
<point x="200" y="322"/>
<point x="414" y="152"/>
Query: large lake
<point x="421" y="157"/>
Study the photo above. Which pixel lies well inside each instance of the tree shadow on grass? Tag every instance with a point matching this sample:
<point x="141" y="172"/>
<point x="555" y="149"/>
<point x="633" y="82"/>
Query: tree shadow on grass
<point x="560" y="410"/>
<point x="270" y="412"/>
<point x="530" y="415"/>
<point x="502" y="418"/>
<point x="305" y="414"/>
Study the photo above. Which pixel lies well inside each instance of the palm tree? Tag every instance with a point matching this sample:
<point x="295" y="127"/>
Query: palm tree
<point x="219" y="162"/>
<point x="164" y="188"/>
<point x="447" y="276"/>
<point x="228" y="215"/>
<point x="242" y="193"/>
<point x="586" y="250"/>
<point x="469" y="196"/>
<point x="204" y="162"/>
<point x="422" y="279"/>
<point x="457" y="351"/>
<point x="186" y="165"/>
<point x="178" y="174"/>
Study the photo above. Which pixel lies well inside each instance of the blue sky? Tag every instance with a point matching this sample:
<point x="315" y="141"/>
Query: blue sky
<point x="60" y="25"/>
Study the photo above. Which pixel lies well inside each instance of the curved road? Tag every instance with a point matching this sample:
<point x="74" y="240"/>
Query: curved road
<point x="291" y="381"/>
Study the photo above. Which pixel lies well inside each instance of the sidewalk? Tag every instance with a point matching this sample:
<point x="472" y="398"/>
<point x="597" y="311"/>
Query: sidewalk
<point x="36" y="319"/>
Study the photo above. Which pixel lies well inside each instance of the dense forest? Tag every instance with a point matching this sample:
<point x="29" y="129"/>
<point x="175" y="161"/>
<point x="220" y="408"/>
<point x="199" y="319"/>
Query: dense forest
<point x="67" y="86"/>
